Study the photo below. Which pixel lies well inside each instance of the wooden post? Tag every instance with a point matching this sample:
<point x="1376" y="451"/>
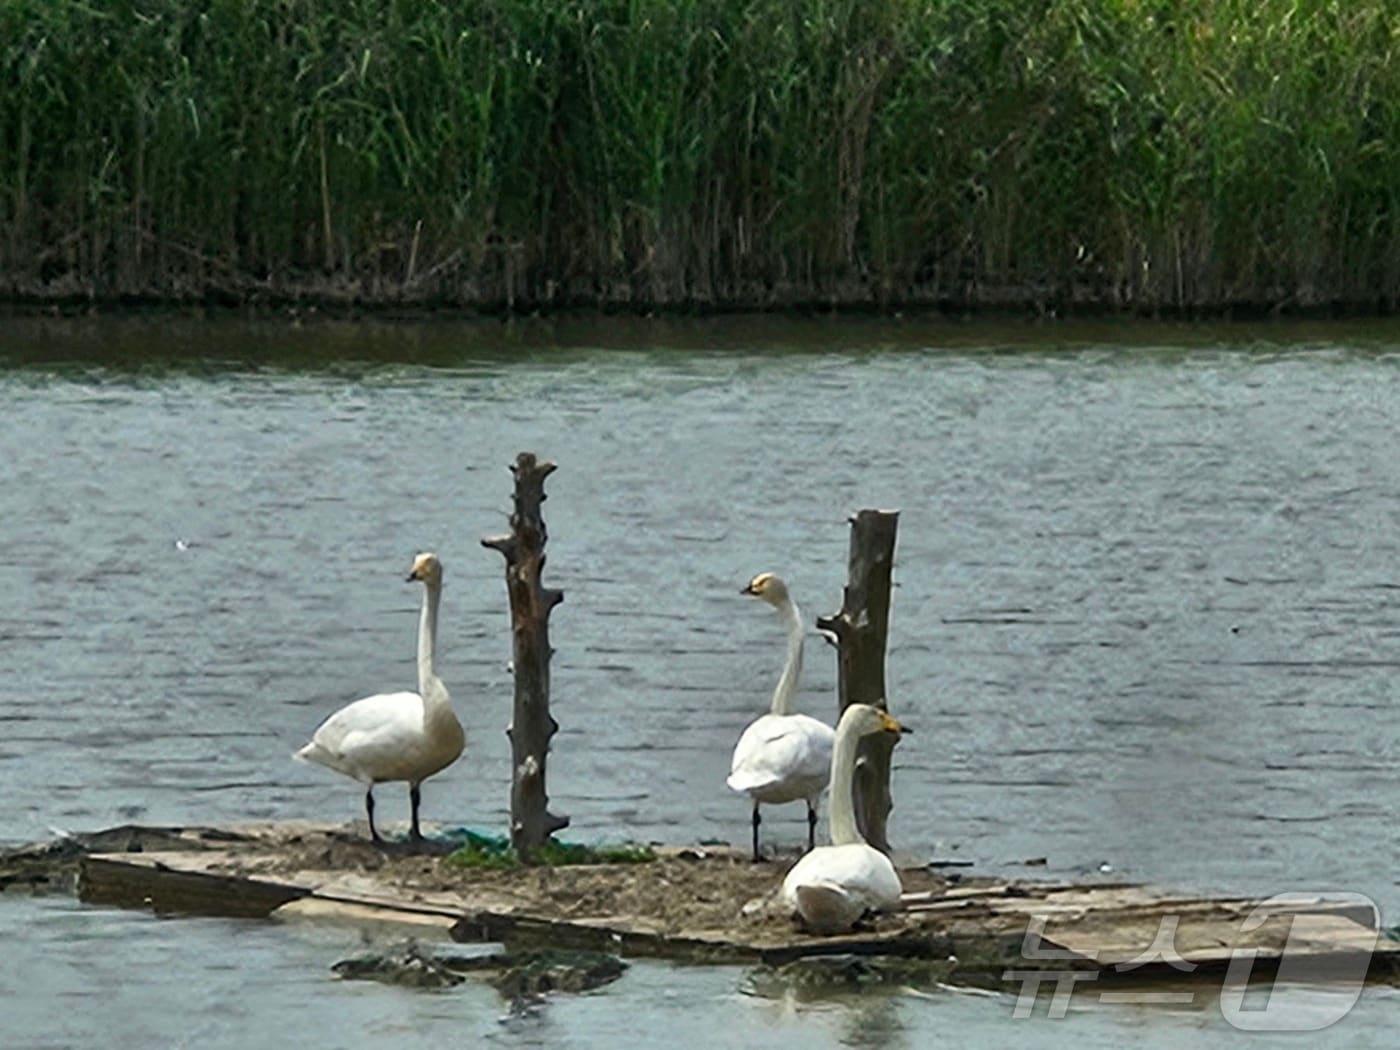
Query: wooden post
<point x="860" y="630"/>
<point x="531" y="823"/>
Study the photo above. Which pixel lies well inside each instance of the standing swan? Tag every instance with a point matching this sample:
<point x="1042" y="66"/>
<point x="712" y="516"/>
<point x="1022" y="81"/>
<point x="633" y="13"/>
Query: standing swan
<point x="832" y="887"/>
<point x="396" y="736"/>
<point x="782" y="756"/>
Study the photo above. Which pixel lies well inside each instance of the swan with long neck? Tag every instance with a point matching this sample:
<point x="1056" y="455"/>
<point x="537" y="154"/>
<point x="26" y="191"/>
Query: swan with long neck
<point x="396" y="736"/>
<point x="832" y="887"/>
<point x="782" y="757"/>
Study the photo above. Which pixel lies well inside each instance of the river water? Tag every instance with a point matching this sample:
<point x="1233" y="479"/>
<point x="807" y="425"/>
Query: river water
<point x="1146" y="621"/>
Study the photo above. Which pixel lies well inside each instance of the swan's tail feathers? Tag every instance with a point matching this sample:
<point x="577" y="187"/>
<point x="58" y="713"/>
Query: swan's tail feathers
<point x="321" y="755"/>
<point x="314" y="752"/>
<point x="743" y="780"/>
<point x="826" y="907"/>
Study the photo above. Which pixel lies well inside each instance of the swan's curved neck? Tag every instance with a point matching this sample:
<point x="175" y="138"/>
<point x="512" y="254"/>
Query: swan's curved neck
<point x="787" y="685"/>
<point x="844" y="829"/>
<point x="429" y="686"/>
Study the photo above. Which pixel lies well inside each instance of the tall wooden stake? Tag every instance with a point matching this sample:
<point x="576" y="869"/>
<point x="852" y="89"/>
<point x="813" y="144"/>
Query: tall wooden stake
<point x="531" y="823"/>
<point x="861" y="629"/>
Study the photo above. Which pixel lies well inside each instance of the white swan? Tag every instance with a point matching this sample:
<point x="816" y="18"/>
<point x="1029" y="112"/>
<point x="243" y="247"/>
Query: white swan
<point x="782" y="757"/>
<point x="832" y="887"/>
<point x="396" y="736"/>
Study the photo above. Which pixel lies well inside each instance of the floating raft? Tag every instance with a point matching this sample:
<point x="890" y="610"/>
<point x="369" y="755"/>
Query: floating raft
<point x="712" y="904"/>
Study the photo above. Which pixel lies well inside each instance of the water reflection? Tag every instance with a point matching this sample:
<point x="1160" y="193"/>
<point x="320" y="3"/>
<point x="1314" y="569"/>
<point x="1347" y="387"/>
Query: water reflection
<point x="874" y="1021"/>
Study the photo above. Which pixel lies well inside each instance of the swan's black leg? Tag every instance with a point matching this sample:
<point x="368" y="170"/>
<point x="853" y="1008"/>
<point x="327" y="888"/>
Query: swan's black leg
<point x="414" y="798"/>
<point x="369" y="808"/>
<point x="811" y="826"/>
<point x="757" y="856"/>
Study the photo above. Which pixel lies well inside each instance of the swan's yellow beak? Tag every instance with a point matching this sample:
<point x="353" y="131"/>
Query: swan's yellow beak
<point x="889" y="725"/>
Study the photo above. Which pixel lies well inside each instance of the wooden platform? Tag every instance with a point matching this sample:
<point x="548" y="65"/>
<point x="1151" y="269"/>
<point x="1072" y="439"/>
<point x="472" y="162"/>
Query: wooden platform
<point x="703" y="904"/>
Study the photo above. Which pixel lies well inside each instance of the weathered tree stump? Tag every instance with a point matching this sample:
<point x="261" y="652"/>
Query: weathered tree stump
<point x="532" y="726"/>
<point x="860" y="630"/>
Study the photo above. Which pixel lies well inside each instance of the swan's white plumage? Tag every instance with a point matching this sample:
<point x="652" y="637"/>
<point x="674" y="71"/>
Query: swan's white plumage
<point x="396" y="736"/>
<point x="833" y="886"/>
<point x="781" y="756"/>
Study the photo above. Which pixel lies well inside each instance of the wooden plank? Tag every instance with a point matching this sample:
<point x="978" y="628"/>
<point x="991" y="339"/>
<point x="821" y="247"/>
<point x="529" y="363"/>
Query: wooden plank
<point x="1212" y="941"/>
<point x="145" y="881"/>
<point x="524" y="929"/>
<point x="363" y="889"/>
<point x="416" y="923"/>
<point x="957" y="904"/>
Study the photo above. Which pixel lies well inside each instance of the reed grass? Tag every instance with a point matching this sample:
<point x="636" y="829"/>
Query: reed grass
<point x="536" y="153"/>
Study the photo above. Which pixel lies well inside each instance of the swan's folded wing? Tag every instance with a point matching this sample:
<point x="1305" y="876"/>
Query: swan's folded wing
<point x="365" y="731"/>
<point x="826" y="907"/>
<point x="818" y="741"/>
<point x="866" y="875"/>
<point x="778" y="748"/>
<point x="862" y="874"/>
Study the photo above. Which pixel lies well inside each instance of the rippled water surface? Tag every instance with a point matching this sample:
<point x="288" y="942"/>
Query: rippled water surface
<point x="1148" y="616"/>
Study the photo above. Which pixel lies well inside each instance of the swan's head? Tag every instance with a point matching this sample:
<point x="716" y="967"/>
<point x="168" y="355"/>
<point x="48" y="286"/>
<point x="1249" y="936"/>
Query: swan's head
<point x="426" y="568"/>
<point x="865" y="720"/>
<point x="769" y="587"/>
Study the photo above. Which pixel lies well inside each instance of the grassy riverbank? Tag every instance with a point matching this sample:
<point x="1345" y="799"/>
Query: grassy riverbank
<point x="679" y="152"/>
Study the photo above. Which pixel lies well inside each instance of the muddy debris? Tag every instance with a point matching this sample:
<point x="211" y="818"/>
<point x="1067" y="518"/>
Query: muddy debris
<point x="406" y="965"/>
<point x="682" y="889"/>
<point x="50" y="867"/>
<point x="516" y="975"/>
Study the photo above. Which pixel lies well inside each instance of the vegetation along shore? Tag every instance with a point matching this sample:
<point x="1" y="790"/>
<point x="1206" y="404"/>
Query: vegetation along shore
<point x="526" y="154"/>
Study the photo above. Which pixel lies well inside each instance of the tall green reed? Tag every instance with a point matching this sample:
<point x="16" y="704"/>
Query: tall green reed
<point x="1145" y="153"/>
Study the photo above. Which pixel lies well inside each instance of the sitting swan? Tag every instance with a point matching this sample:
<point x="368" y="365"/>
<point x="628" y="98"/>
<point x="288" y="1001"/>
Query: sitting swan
<point x="396" y="736"/>
<point x="782" y="757"/>
<point x="832" y="887"/>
